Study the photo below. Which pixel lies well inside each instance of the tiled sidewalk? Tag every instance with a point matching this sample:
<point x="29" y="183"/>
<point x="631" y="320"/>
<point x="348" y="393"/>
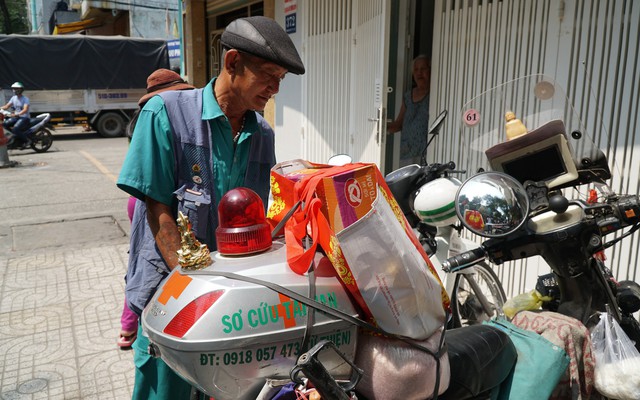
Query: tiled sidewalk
<point x="59" y="321"/>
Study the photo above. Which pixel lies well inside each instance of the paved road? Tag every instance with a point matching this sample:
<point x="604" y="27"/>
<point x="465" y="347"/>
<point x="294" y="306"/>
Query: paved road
<point x="63" y="252"/>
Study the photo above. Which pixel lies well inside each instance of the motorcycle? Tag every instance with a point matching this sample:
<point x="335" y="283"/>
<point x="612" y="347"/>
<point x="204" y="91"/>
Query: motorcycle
<point x="426" y="195"/>
<point x="239" y="318"/>
<point x="526" y="198"/>
<point x="39" y="132"/>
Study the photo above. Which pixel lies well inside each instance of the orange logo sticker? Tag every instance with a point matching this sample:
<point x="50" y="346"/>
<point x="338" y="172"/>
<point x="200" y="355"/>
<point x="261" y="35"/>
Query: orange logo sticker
<point x="174" y="287"/>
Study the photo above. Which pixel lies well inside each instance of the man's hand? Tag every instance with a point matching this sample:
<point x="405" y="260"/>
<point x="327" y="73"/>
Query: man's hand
<point x="165" y="230"/>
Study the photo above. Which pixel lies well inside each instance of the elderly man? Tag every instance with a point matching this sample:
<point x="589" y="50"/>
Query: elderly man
<point x="188" y="149"/>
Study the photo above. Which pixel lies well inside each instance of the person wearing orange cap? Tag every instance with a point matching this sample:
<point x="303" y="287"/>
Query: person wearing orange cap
<point x="188" y="149"/>
<point x="160" y="80"/>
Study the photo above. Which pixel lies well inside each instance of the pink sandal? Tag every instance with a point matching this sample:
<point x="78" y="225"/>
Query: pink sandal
<point x="126" y="339"/>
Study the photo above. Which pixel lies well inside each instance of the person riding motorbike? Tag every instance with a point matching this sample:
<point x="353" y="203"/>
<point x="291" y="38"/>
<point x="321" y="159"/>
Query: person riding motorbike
<point x="19" y="121"/>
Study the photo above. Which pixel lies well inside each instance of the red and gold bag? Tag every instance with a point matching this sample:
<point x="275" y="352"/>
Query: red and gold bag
<point x="350" y="212"/>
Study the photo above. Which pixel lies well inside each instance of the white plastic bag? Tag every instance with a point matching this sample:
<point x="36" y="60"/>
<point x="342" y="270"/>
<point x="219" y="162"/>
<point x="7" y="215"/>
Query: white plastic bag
<point x="404" y="296"/>
<point x="617" y="361"/>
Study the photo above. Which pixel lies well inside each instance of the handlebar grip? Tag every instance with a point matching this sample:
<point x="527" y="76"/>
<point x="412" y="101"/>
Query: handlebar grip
<point x="437" y="169"/>
<point x="629" y="209"/>
<point x="446" y="167"/>
<point x="464" y="260"/>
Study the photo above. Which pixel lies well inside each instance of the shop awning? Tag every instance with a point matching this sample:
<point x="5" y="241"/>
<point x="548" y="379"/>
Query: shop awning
<point x="74" y="27"/>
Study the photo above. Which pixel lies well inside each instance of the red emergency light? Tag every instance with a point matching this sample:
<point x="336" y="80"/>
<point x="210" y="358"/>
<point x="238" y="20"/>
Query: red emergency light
<point x="242" y="225"/>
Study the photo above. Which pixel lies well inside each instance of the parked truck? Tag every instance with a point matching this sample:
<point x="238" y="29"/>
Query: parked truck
<point x="94" y="80"/>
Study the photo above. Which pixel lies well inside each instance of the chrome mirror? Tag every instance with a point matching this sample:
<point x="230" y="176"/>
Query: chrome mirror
<point x="492" y="204"/>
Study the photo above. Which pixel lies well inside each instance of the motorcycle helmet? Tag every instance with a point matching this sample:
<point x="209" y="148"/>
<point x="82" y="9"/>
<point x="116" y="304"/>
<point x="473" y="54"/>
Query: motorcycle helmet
<point x="435" y="202"/>
<point x="17" y="87"/>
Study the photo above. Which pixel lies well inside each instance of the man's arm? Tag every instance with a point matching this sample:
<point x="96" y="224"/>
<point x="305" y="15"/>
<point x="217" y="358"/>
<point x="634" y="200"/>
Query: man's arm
<point x="165" y="230"/>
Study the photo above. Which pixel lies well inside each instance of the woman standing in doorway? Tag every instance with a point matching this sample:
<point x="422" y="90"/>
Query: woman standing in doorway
<point x="413" y="118"/>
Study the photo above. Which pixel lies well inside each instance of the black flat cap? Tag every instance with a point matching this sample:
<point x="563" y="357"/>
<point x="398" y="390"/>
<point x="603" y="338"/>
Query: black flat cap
<point x="264" y="38"/>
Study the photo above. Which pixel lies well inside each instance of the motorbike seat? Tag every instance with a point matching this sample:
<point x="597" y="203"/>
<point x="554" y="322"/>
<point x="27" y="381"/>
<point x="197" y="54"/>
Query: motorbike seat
<point x="481" y="358"/>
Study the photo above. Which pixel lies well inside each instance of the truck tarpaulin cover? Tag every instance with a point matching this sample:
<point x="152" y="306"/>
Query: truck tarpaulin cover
<point x="79" y="62"/>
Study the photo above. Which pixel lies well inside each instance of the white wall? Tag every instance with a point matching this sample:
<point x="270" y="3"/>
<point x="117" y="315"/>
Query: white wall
<point x="590" y="48"/>
<point x="288" y="116"/>
<point x="152" y="24"/>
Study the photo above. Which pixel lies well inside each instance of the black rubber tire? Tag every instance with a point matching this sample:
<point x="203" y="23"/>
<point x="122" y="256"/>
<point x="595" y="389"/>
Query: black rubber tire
<point x="465" y="307"/>
<point x="111" y="125"/>
<point x="42" y="140"/>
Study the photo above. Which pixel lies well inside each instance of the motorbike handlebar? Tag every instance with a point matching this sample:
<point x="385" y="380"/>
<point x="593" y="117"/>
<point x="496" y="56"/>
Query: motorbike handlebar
<point x="464" y="260"/>
<point x="628" y="209"/>
<point x="436" y="169"/>
<point x="616" y="214"/>
<point x="619" y="212"/>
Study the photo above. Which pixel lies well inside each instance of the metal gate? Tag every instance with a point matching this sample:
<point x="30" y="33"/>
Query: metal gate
<point x="590" y="47"/>
<point x="345" y="46"/>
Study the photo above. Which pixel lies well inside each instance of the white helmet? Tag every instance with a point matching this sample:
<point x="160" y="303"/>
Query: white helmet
<point x="435" y="202"/>
<point x="17" y="85"/>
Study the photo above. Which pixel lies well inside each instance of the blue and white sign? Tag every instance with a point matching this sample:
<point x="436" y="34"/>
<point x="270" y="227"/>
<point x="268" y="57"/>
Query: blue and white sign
<point x="174" y="48"/>
<point x="290" y="23"/>
<point x="290" y="7"/>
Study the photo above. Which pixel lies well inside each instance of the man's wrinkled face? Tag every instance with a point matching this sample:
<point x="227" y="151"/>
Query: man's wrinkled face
<point x="259" y="81"/>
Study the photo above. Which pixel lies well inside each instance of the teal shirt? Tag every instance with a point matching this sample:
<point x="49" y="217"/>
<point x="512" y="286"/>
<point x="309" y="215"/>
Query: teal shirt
<point x="148" y="168"/>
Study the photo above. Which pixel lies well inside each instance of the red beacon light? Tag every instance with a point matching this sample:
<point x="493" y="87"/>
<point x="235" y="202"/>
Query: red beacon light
<point x="242" y="226"/>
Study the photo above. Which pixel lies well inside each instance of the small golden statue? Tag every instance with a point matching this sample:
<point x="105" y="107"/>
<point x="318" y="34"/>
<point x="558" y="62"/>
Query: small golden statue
<point x="193" y="254"/>
<point x="514" y="126"/>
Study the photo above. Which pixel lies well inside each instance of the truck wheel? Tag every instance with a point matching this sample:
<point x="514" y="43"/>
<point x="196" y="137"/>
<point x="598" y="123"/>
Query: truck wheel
<point x="111" y="125"/>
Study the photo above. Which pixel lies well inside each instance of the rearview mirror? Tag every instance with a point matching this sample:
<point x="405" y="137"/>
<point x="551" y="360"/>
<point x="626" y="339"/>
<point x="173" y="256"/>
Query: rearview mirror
<point x="492" y="204"/>
<point x="435" y="127"/>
